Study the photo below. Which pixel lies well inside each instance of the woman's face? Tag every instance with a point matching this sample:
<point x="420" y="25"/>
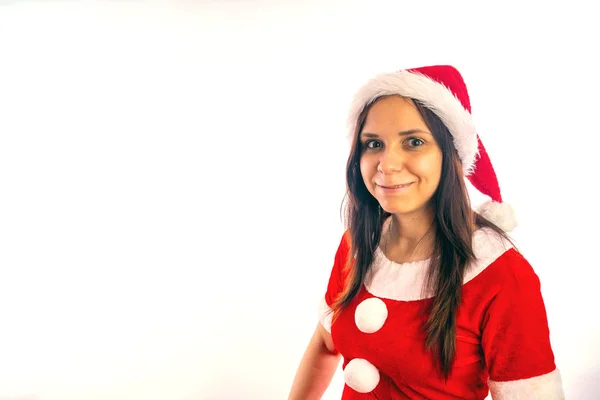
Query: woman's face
<point x="400" y="162"/>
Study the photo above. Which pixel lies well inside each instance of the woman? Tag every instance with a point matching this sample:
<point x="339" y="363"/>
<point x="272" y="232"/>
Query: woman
<point x="427" y="299"/>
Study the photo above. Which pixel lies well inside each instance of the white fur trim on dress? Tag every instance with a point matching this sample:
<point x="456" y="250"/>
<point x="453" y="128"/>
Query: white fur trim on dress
<point x="543" y="387"/>
<point x="405" y="282"/>
<point x="434" y="96"/>
<point x="501" y="214"/>
<point x="325" y="315"/>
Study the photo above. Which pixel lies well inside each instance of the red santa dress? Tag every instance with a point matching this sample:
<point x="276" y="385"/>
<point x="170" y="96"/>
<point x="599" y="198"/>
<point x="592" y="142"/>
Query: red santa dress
<point x="503" y="343"/>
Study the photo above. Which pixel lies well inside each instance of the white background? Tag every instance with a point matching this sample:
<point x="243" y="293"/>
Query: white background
<point x="171" y="176"/>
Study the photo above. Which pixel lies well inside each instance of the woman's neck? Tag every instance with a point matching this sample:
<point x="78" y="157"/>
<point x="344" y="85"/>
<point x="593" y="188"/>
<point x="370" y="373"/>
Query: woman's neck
<point x="409" y="237"/>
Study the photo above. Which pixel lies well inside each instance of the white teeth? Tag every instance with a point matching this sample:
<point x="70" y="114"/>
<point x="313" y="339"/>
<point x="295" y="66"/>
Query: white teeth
<point x="395" y="187"/>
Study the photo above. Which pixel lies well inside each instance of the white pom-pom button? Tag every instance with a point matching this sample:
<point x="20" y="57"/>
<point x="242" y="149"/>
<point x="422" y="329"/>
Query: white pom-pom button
<point x="370" y="315"/>
<point x="361" y="375"/>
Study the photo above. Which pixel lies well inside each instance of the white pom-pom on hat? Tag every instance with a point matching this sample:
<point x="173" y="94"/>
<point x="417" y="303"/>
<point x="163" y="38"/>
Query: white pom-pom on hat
<point x="501" y="214"/>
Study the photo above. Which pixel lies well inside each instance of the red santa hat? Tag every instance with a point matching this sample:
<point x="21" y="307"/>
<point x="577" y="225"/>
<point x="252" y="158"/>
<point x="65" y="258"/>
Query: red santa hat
<point x="442" y="89"/>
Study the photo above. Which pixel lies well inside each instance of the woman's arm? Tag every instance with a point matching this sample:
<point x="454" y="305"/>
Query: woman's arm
<point x="317" y="367"/>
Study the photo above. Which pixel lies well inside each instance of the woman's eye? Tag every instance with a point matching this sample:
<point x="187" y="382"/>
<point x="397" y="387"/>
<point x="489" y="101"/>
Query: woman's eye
<point x="372" y="144"/>
<point x="415" y="142"/>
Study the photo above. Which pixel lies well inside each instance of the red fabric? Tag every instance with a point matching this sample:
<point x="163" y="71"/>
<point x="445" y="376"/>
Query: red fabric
<point x="484" y="177"/>
<point x="515" y="336"/>
<point x="448" y="76"/>
<point x="502" y="332"/>
<point x="339" y="274"/>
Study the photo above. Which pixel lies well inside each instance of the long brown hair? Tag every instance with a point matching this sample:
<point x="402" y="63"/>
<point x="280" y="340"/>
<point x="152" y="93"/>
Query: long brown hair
<point x="453" y="251"/>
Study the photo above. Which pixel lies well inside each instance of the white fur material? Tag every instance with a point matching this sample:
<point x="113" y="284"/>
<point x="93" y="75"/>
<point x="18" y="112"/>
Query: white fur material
<point x="325" y="315"/>
<point x="501" y="214"/>
<point x="487" y="246"/>
<point x="389" y="280"/>
<point x="543" y="387"/>
<point x="434" y="96"/>
<point x="370" y="315"/>
<point x="361" y="375"/>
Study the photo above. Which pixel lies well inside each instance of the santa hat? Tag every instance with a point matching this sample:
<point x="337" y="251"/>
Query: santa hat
<point x="442" y="89"/>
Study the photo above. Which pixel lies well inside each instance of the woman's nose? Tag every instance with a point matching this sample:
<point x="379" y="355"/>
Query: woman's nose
<point x="390" y="161"/>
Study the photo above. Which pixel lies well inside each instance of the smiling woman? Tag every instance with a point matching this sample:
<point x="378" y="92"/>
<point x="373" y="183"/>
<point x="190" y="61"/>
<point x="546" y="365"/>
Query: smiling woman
<point x="401" y="161"/>
<point x="427" y="298"/>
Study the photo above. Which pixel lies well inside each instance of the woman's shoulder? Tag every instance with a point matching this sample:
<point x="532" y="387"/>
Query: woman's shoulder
<point x="497" y="260"/>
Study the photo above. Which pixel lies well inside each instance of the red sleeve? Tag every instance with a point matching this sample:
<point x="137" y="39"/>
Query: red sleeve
<point x="337" y="277"/>
<point x="336" y="282"/>
<point x="516" y="337"/>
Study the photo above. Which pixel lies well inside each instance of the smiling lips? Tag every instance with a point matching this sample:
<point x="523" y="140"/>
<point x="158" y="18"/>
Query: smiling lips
<point x="394" y="188"/>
